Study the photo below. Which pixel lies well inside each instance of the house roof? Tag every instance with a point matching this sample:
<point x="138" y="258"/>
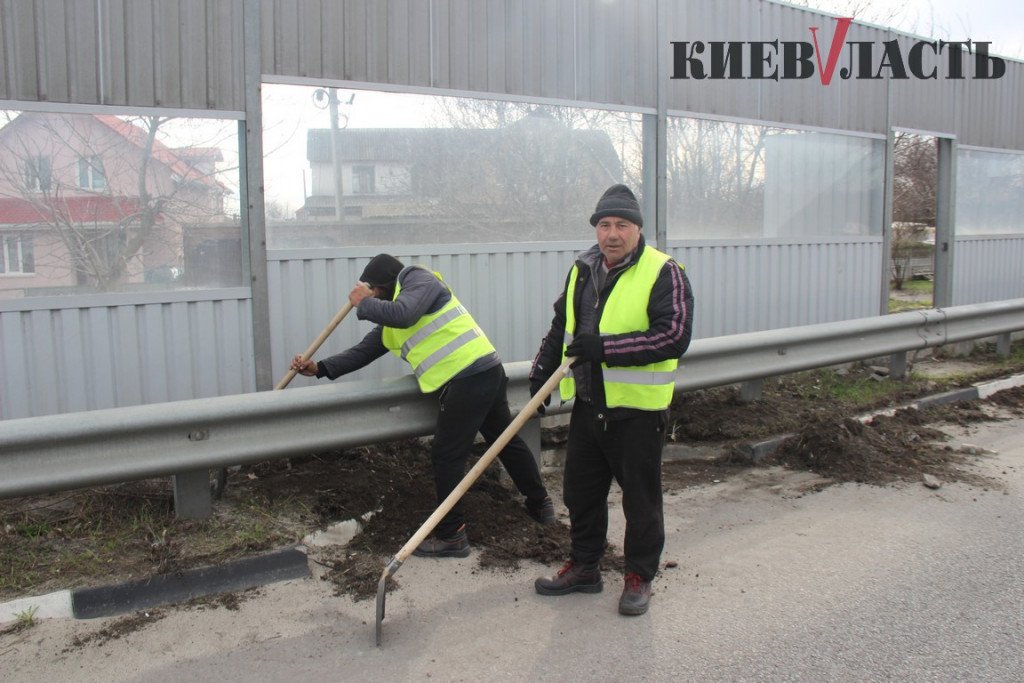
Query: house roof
<point x="88" y="209"/>
<point x="404" y="144"/>
<point x="172" y="158"/>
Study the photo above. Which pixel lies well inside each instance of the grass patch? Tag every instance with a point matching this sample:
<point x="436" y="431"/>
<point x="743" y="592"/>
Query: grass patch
<point x="901" y="305"/>
<point x="918" y="286"/>
<point x="89" y="537"/>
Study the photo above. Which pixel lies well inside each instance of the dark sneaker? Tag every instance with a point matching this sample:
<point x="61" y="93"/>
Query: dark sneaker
<point x="456" y="546"/>
<point x="636" y="595"/>
<point x="542" y="511"/>
<point x="571" y="578"/>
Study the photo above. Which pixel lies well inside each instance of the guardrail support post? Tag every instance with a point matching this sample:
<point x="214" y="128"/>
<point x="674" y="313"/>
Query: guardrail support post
<point x="898" y="366"/>
<point x="530" y="433"/>
<point x="1003" y="345"/>
<point x="751" y="391"/>
<point x="192" y="499"/>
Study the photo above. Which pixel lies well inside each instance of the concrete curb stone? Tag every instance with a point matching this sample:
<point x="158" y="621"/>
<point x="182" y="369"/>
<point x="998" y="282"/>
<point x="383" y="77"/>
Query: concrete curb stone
<point x="162" y="589"/>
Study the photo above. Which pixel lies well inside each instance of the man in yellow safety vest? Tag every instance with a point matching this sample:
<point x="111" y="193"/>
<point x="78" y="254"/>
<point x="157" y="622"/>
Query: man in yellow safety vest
<point x="626" y="314"/>
<point x="420" y="320"/>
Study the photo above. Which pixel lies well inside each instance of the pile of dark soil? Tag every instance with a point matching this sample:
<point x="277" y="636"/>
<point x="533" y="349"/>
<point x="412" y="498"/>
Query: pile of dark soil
<point x="885" y="450"/>
<point x="391" y="486"/>
<point x="1010" y="399"/>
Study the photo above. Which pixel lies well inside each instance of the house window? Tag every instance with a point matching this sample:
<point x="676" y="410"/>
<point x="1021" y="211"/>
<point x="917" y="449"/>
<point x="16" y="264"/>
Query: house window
<point x="38" y="174"/>
<point x="90" y="173"/>
<point x="16" y="255"/>
<point x="362" y="180"/>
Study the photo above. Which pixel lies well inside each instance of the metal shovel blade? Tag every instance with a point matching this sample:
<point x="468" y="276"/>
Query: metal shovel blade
<point x="528" y="411"/>
<point x="381" y="592"/>
<point x="382" y="587"/>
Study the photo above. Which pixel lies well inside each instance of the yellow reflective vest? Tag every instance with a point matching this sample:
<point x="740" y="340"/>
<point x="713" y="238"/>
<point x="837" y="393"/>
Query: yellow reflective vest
<point x="644" y="387"/>
<point x="440" y="344"/>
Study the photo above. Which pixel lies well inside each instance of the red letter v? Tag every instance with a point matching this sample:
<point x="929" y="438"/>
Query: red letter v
<point x="842" y="25"/>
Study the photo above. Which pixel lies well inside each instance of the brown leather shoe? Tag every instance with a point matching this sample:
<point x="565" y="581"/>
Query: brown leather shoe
<point x="636" y="595"/>
<point x="572" y="578"/>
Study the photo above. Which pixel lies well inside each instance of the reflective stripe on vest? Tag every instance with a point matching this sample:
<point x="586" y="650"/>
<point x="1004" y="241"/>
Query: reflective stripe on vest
<point x="440" y="344"/>
<point x="431" y="327"/>
<point x="646" y="387"/>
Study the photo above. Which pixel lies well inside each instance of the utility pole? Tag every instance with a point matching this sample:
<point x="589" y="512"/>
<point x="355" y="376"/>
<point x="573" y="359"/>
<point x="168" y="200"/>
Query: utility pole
<point x="339" y="197"/>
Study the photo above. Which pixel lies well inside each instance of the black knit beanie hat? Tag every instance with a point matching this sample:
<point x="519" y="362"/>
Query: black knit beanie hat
<point x="619" y="201"/>
<point x="381" y="271"/>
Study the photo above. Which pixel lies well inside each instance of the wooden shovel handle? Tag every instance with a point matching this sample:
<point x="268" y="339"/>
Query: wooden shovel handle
<point x="335" y="321"/>
<point x="513" y="428"/>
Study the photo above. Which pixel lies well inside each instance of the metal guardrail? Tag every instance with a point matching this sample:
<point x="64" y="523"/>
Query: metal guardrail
<point x="189" y="438"/>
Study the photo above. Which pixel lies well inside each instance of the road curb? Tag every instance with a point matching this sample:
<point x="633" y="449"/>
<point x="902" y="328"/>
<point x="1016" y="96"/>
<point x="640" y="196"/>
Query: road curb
<point x="56" y="605"/>
<point x="162" y="589"/>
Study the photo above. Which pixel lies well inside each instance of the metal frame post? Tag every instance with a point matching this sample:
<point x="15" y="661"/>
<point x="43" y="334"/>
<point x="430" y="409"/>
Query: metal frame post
<point x="945" y="222"/>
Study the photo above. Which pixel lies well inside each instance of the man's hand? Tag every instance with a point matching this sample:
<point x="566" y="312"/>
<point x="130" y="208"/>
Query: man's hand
<point x="535" y="386"/>
<point x="304" y="367"/>
<point x="358" y="293"/>
<point x="586" y="347"/>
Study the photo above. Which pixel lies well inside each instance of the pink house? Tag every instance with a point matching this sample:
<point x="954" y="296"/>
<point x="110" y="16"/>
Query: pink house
<point x="97" y="203"/>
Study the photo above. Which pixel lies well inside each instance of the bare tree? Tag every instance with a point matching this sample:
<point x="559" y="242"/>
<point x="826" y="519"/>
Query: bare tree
<point x="908" y="244"/>
<point x="534" y="172"/>
<point x="915" y="173"/>
<point x="108" y="191"/>
<point x="716" y="176"/>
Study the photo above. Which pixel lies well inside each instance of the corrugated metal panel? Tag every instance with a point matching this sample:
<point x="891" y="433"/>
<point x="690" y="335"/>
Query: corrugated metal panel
<point x="739" y="288"/>
<point x="841" y="103"/>
<point x="988" y="269"/>
<point x="508" y="289"/>
<point x="728" y="20"/>
<point x="471" y="44"/>
<point x="990" y="112"/>
<point x="805" y="101"/>
<point x="923" y="104"/>
<point x="82" y="356"/>
<point x="20" y="51"/>
<point x="168" y="54"/>
<point x="846" y="104"/>
<point x="185" y="54"/>
<point x="766" y="285"/>
<point x="189" y="54"/>
<point x="384" y="41"/>
<point x="616" y="51"/>
<point x="362" y="40"/>
<point x="519" y="47"/>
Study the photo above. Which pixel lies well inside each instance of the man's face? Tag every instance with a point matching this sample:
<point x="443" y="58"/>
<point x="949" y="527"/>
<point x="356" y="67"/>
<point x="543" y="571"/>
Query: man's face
<point x="617" y="237"/>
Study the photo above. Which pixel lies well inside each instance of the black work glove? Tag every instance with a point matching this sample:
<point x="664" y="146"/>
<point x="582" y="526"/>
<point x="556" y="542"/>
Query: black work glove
<point x="586" y="347"/>
<point x="535" y="385"/>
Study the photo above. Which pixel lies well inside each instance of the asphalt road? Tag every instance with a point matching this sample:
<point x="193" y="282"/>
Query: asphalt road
<point x="774" y="584"/>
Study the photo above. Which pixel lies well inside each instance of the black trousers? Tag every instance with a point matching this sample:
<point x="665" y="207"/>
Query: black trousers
<point x="628" y="451"/>
<point x="477" y="403"/>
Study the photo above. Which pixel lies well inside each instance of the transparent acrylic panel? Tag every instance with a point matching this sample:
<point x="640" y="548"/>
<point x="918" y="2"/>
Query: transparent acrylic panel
<point x="743" y="181"/>
<point x="103" y="203"/>
<point x="989" y="193"/>
<point x="400" y="169"/>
